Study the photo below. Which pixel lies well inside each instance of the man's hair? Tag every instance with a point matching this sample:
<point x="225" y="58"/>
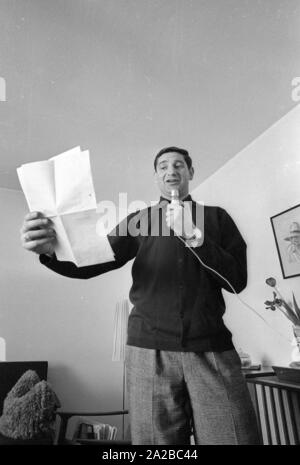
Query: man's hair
<point x="182" y="152"/>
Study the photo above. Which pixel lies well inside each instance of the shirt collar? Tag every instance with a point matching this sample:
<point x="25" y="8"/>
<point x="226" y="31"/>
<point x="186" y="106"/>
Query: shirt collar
<point x="163" y="199"/>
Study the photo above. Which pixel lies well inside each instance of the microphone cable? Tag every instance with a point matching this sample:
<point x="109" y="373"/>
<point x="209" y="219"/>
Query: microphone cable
<point x="175" y="200"/>
<point x="233" y="289"/>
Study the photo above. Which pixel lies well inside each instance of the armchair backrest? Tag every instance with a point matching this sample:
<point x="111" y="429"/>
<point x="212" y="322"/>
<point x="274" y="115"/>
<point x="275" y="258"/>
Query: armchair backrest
<point x="10" y="372"/>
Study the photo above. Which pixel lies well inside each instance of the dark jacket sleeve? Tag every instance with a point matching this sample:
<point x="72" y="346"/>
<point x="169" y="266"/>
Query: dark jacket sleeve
<point x="123" y="245"/>
<point x="228" y="255"/>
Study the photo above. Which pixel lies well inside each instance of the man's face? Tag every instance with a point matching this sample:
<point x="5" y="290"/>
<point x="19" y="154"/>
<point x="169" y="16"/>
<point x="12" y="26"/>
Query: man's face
<point x="171" y="173"/>
<point x="295" y="240"/>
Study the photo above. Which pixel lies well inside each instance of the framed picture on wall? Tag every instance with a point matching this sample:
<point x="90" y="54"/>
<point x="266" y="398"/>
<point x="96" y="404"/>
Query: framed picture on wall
<point x="286" y="229"/>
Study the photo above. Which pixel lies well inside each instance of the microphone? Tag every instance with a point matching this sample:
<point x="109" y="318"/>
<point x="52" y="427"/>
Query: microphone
<point x="175" y="197"/>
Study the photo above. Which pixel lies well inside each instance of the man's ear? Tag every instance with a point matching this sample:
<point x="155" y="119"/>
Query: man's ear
<point x="155" y="176"/>
<point x="191" y="171"/>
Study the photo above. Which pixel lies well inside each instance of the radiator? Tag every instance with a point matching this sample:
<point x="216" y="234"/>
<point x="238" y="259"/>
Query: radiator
<point x="277" y="406"/>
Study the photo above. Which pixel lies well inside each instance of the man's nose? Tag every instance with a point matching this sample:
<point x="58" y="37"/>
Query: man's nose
<point x="171" y="169"/>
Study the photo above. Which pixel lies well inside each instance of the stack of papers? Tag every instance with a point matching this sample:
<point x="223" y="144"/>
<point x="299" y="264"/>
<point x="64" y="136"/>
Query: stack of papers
<point x="62" y="189"/>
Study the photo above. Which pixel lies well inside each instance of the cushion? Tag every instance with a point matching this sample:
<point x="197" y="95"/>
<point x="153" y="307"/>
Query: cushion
<point x="29" y="409"/>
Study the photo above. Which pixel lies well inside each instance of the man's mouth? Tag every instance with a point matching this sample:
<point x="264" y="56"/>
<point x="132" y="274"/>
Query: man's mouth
<point x="172" y="182"/>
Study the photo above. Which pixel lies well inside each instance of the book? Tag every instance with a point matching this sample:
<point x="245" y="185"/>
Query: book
<point x="87" y="428"/>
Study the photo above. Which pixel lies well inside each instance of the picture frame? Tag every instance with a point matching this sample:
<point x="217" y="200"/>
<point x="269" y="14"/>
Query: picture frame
<point x="286" y="230"/>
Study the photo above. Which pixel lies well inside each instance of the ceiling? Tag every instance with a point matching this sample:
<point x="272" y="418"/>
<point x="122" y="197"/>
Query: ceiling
<point x="127" y="78"/>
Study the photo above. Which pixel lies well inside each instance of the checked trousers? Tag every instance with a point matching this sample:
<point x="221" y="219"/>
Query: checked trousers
<point x="173" y="395"/>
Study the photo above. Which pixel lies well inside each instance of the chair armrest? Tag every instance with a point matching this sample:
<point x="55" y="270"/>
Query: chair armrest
<point x="70" y="414"/>
<point x="101" y="442"/>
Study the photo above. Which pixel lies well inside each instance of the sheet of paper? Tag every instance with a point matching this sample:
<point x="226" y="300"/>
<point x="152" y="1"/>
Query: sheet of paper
<point x="88" y="247"/>
<point x="38" y="184"/>
<point x="74" y="188"/>
<point x="62" y="189"/>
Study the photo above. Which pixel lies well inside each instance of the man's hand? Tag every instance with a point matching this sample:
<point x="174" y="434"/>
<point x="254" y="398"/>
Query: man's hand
<point x="179" y="218"/>
<point x="37" y="234"/>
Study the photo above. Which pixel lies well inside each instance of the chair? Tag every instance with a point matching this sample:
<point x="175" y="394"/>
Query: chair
<point x="64" y="417"/>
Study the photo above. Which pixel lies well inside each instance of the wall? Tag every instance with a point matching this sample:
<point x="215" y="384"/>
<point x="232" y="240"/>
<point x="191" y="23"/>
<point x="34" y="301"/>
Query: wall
<point x="70" y="323"/>
<point x="259" y="182"/>
<point x="124" y="78"/>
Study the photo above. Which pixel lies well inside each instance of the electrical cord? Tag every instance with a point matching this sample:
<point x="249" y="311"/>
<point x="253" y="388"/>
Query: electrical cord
<point x="233" y="289"/>
<point x="175" y="200"/>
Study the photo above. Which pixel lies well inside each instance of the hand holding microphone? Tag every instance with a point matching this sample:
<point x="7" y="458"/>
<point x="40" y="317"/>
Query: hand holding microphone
<point x="179" y="217"/>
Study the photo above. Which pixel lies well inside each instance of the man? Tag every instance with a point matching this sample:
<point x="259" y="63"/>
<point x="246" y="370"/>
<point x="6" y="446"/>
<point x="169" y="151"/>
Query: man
<point x="293" y="249"/>
<point x="182" y="369"/>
